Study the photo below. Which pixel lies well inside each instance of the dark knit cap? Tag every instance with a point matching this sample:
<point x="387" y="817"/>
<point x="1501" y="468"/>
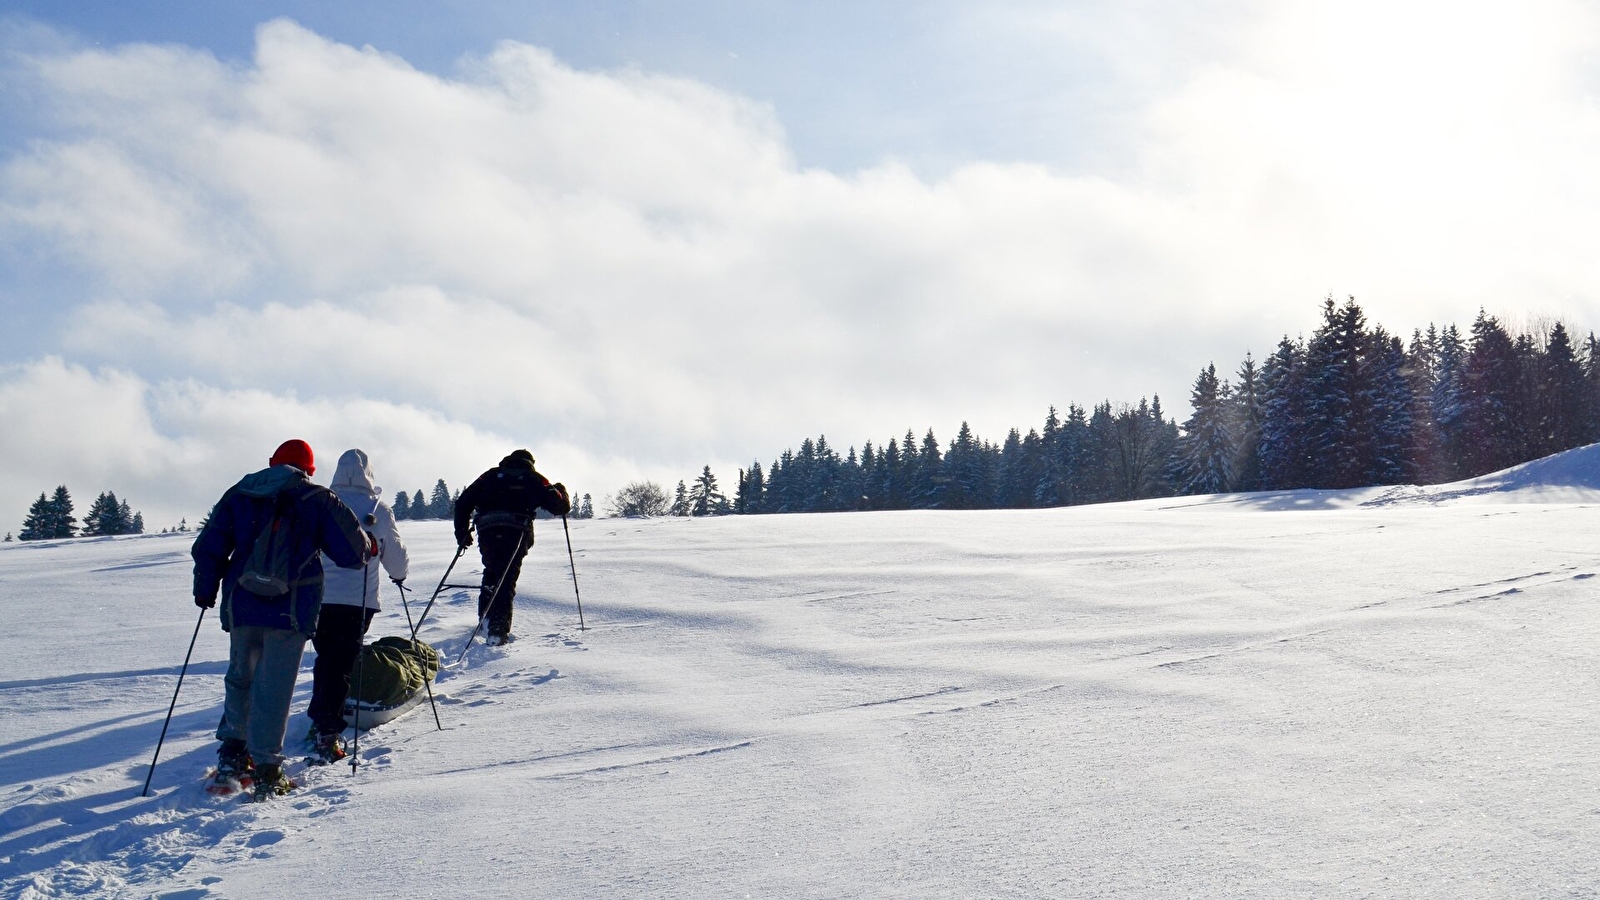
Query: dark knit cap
<point x="518" y="457"/>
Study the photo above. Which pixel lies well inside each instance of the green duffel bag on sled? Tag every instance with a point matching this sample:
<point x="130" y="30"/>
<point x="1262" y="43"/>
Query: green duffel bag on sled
<point x="388" y="679"/>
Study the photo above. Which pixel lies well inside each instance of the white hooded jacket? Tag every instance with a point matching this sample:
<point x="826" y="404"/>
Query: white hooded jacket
<point x="352" y="481"/>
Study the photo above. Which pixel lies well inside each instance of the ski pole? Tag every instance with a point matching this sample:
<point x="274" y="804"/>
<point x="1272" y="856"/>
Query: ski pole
<point x="492" y="598"/>
<point x="181" y="672"/>
<point x="361" y="642"/>
<point x="404" y="605"/>
<point x="427" y="682"/>
<point x="459" y="551"/>
<point x="574" y="566"/>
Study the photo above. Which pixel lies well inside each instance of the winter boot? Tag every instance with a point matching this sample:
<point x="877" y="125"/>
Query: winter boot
<point x="234" y="769"/>
<point x="271" y="782"/>
<point x="326" y="749"/>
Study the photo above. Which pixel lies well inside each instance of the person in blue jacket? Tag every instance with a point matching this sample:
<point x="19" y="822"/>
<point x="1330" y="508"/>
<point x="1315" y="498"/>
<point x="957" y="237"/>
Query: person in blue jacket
<point x="269" y="621"/>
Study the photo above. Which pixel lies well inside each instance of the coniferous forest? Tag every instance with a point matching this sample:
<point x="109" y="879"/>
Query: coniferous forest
<point x="1350" y="406"/>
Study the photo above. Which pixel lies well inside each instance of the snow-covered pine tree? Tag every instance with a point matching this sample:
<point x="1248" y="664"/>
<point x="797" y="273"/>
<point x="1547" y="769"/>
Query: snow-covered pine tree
<point x="586" y="507"/>
<point x="62" y="522"/>
<point x="36" y="527"/>
<point x="1559" y="425"/>
<point x="705" y="498"/>
<point x="749" y="497"/>
<point x="1336" y="429"/>
<point x="1206" y="450"/>
<point x="964" y="486"/>
<point x="1282" y="448"/>
<point x="1244" y="424"/>
<point x="1391" y="404"/>
<point x="401" y="506"/>
<point x="1490" y="379"/>
<point x="103" y="517"/>
<point x="439" y="504"/>
<point x="680" y="500"/>
<point x="1047" y="491"/>
<point x="929" y="484"/>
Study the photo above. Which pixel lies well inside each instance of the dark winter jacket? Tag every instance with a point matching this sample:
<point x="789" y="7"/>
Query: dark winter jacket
<point x="319" y="522"/>
<point x="508" y="495"/>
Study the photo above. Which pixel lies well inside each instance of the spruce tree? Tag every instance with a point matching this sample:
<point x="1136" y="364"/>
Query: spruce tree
<point x="1490" y="380"/>
<point x="36" y="527"/>
<point x="750" y="497"/>
<point x="929" y="483"/>
<point x="1206" y="451"/>
<point x="1244" y="423"/>
<point x="680" y="500"/>
<point x="1448" y="405"/>
<point x="62" y="523"/>
<point x="104" y="516"/>
<point x="402" y="505"/>
<point x="705" y="498"/>
<point x="1559" y="424"/>
<point x="419" y="505"/>
<point x="439" y="505"/>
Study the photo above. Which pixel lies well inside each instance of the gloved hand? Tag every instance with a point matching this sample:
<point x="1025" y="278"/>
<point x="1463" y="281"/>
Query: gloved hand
<point x="205" y="602"/>
<point x="398" y="582"/>
<point x="463" y="540"/>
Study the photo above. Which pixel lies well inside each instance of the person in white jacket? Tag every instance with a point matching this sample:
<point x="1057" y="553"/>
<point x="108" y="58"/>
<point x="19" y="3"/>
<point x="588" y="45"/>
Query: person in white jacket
<point x="349" y="601"/>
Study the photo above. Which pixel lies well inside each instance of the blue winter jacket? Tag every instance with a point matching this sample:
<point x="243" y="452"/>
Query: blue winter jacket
<point x="319" y="522"/>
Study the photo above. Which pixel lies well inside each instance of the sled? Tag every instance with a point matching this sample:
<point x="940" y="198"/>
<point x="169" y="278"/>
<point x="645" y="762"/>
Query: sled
<point x="364" y="714"/>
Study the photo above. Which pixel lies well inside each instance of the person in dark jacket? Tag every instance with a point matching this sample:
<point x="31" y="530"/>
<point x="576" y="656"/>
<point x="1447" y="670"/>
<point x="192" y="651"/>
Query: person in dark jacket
<point x="501" y="505"/>
<point x="267" y="625"/>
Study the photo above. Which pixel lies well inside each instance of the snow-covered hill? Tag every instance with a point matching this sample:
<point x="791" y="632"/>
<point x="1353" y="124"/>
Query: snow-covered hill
<point x="1387" y="693"/>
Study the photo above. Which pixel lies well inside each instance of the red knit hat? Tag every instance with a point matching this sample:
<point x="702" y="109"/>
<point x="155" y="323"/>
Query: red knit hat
<point x="296" y="453"/>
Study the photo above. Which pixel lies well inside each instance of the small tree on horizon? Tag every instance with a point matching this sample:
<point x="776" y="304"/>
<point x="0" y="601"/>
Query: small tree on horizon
<point x="639" y="498"/>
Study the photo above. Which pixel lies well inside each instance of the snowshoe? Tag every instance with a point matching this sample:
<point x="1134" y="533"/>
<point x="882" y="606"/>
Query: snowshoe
<point x="270" y="782"/>
<point x="326" y="749"/>
<point x="495" y="640"/>
<point x="221" y="783"/>
<point x="234" y="772"/>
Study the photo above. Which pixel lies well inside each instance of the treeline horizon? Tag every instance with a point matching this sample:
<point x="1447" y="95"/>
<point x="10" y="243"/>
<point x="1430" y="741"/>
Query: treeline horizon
<point x="1350" y="406"/>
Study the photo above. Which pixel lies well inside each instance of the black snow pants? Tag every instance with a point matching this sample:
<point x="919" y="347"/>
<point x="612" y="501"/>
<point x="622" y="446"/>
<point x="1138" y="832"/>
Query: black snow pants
<point x="502" y="548"/>
<point x="337" y="641"/>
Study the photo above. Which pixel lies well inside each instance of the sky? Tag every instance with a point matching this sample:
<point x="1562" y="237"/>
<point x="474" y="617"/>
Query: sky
<point x="643" y="238"/>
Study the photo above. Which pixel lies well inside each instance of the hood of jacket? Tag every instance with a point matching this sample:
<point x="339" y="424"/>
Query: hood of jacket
<point x="354" y="472"/>
<point x="270" y="482"/>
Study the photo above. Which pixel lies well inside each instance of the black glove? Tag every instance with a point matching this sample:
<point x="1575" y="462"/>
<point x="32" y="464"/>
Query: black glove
<point x="398" y="582"/>
<point x="463" y="540"/>
<point x="205" y="602"/>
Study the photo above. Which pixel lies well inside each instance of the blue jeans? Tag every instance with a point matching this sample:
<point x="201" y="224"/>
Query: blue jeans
<point x="262" y="666"/>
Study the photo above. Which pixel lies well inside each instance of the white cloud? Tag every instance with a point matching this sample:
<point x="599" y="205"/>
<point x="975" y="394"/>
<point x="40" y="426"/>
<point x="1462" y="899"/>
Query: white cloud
<point x="635" y="265"/>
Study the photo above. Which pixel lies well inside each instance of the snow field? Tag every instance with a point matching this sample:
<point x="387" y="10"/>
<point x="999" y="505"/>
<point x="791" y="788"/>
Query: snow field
<point x="1384" y="693"/>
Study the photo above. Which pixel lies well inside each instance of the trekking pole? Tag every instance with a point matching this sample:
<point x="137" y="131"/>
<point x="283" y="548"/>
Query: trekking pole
<point x="404" y="605"/>
<point x="427" y="682"/>
<point x="574" y="566"/>
<point x="459" y="551"/>
<point x="361" y="641"/>
<point x="492" y="598"/>
<point x="181" y="672"/>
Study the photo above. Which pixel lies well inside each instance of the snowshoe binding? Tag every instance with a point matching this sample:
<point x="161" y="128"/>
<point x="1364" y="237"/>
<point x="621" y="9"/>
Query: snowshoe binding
<point x="325" y="749"/>
<point x="270" y="782"/>
<point x="235" y="772"/>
